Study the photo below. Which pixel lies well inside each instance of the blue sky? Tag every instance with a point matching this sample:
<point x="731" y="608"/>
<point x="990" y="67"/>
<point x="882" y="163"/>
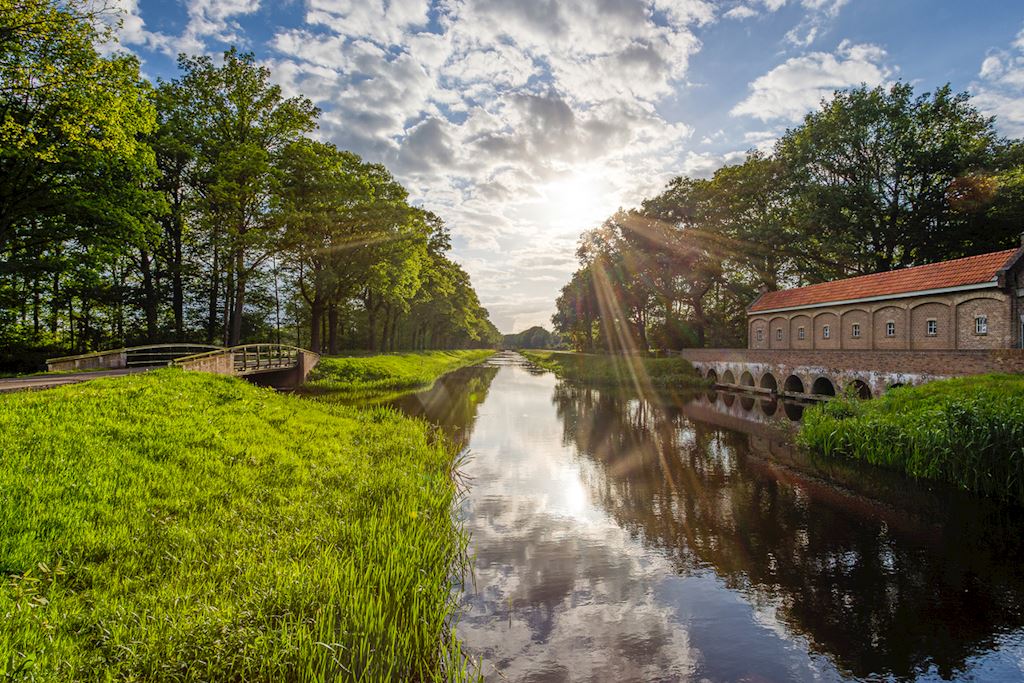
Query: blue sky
<point x="525" y="122"/>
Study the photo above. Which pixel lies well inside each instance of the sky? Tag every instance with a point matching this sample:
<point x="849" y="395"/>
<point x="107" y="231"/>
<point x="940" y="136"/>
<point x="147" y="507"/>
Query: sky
<point x="523" y="123"/>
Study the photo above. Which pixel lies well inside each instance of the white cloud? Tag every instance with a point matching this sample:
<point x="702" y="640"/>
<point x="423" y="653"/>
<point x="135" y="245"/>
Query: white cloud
<point x="740" y="12"/>
<point x="999" y="91"/>
<point x="799" y="84"/>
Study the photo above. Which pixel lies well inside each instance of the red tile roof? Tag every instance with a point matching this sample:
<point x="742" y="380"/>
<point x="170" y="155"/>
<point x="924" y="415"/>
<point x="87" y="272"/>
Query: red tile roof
<point x="964" y="271"/>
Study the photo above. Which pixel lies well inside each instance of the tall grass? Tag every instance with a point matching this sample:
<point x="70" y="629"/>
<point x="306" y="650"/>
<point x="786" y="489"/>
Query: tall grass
<point x="967" y="431"/>
<point x="358" y="376"/>
<point x="180" y="526"/>
<point x="613" y="370"/>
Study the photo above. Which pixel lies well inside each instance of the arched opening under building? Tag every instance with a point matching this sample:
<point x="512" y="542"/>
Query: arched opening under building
<point x="793" y="385"/>
<point x="712" y="376"/>
<point x="746" y="379"/>
<point x="769" y="382"/>
<point x="728" y="377"/>
<point x="794" y="411"/>
<point x="860" y="389"/>
<point x="823" y="387"/>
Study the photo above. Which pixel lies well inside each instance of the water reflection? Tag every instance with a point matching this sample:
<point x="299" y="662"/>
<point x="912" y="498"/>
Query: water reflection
<point x="682" y="539"/>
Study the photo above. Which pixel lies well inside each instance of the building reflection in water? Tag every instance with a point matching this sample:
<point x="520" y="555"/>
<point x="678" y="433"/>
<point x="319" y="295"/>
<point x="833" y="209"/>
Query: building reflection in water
<point x="682" y="538"/>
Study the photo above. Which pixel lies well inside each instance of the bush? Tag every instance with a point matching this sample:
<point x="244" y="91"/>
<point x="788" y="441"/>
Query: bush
<point x="613" y="370"/>
<point x="966" y="431"/>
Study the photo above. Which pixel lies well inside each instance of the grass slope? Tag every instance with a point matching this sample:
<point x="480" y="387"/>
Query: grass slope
<point x="388" y="373"/>
<point x="967" y="431"/>
<point x="607" y="370"/>
<point x="180" y="526"/>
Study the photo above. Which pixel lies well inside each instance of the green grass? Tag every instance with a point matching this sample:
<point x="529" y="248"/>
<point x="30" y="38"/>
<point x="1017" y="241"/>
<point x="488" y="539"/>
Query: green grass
<point x="183" y="526"/>
<point x="967" y="431"/>
<point x="609" y="370"/>
<point x="372" y="376"/>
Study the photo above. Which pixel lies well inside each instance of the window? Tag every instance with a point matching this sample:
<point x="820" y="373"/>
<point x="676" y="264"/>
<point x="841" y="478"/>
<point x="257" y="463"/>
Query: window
<point x="759" y="334"/>
<point x="855" y="331"/>
<point x="981" y="324"/>
<point x="801" y="333"/>
<point x="778" y="334"/>
<point x="826" y="331"/>
<point x="933" y="328"/>
<point x="890" y="329"/>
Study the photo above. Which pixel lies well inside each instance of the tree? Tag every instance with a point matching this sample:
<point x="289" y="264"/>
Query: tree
<point x="242" y="123"/>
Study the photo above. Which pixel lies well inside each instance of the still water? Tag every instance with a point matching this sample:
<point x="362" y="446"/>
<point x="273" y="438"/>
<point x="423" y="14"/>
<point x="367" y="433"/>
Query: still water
<point x="681" y="539"/>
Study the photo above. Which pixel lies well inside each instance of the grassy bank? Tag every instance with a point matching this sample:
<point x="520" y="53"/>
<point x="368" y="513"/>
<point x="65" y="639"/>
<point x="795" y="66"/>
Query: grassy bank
<point x="180" y="526"/>
<point x="607" y="370"/>
<point x="967" y="431"/>
<point x="357" y="376"/>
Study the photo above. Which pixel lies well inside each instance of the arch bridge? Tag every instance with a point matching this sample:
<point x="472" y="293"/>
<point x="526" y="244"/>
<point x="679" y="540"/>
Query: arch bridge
<point x="822" y="374"/>
<point x="275" y="365"/>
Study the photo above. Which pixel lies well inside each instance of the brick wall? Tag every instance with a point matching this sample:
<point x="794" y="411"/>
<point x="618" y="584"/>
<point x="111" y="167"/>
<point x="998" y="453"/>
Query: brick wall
<point x="954" y="316"/>
<point x="940" y="363"/>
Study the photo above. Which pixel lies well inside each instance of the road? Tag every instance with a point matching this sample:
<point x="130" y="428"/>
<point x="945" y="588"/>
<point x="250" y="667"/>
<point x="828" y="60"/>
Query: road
<point x="49" y="381"/>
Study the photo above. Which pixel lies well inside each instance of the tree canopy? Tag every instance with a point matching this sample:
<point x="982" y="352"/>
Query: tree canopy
<point x="197" y="209"/>
<point x="875" y="179"/>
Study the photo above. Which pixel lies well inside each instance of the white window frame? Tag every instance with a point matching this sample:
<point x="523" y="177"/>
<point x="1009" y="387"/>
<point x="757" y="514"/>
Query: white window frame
<point x="890" y="328"/>
<point x="826" y="332"/>
<point x="981" y="325"/>
<point x="931" y="328"/>
<point x="855" y="331"/>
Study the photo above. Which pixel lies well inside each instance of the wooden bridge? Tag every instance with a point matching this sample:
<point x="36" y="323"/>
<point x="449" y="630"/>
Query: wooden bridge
<point x="273" y="365"/>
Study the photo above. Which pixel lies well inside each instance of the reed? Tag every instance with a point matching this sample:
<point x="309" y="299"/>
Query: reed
<point x="615" y="370"/>
<point x="367" y="376"/>
<point x="967" y="431"/>
<point x="181" y="526"/>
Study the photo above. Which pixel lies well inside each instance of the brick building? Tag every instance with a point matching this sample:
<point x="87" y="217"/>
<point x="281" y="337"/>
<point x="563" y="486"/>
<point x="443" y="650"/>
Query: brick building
<point x="973" y="303"/>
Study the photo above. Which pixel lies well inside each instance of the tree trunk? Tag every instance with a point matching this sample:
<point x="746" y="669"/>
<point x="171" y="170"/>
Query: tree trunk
<point x="211" y="321"/>
<point x="149" y="296"/>
<point x="316" y="314"/>
<point x="332" y="329"/>
<point x="235" y="337"/>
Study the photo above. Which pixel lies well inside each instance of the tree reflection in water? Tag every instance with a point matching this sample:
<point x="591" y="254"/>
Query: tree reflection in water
<point x="882" y="586"/>
<point x="681" y="538"/>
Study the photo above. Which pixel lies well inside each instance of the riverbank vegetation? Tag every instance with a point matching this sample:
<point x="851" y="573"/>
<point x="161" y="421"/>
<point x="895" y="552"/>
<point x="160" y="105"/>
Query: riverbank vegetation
<point x="863" y="184"/>
<point x="362" y="376"/>
<point x="968" y="432"/>
<point x="197" y="209"/>
<point x="618" y="370"/>
<point x="173" y="526"/>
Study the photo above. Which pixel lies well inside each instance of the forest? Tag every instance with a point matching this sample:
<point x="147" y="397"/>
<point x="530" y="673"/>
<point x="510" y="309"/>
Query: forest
<point x="875" y="179"/>
<point x="201" y="208"/>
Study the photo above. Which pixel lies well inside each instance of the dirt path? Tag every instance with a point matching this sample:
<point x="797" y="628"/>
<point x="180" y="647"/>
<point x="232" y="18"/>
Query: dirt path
<point x="50" y="381"/>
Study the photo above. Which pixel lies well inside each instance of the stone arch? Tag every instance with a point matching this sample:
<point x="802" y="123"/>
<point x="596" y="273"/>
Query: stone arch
<point x="795" y="323"/>
<point x="855" y="320"/>
<point x="712" y="376"/>
<point x="793" y="385"/>
<point x="995" y="310"/>
<point x="746" y="379"/>
<point x="728" y="377"/>
<point x="778" y="327"/>
<point x="823" y="386"/>
<point x="895" y="385"/>
<point x="920" y="315"/>
<point x="769" y="382"/>
<point x="859" y="388"/>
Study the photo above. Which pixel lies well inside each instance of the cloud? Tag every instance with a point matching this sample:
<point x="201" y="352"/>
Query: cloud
<point x="207" y="20"/>
<point x="740" y="12"/>
<point x="999" y="90"/>
<point x="799" y="84"/>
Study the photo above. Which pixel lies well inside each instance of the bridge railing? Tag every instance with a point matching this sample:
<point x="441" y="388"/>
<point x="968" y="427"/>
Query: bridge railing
<point x="152" y="355"/>
<point x="245" y="359"/>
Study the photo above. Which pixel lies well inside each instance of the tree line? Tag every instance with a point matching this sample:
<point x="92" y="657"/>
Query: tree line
<point x="875" y="179"/>
<point x="198" y="209"/>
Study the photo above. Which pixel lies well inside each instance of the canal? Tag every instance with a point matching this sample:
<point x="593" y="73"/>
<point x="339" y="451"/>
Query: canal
<point x="680" y="538"/>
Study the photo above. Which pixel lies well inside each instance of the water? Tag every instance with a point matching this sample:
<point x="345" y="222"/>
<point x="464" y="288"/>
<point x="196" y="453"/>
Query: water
<point x="682" y="539"/>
